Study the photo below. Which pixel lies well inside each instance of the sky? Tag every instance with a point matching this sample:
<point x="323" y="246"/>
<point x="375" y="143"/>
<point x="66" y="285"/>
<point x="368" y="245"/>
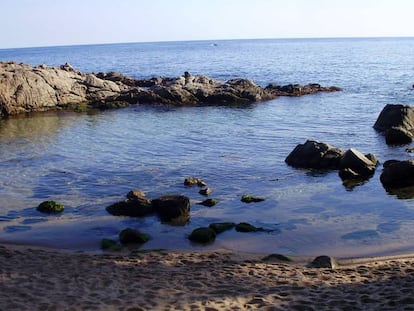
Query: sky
<point x="33" y="23"/>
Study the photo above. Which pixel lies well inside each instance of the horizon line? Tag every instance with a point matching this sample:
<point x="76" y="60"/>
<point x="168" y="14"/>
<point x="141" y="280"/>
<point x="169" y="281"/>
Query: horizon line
<point x="204" y="40"/>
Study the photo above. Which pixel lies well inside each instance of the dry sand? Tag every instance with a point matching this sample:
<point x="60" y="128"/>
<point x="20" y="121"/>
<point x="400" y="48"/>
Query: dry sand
<point x="38" y="279"/>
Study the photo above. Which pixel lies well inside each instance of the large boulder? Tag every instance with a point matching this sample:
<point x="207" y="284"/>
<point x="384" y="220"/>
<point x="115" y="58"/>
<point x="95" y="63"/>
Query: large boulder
<point x="316" y="155"/>
<point x="24" y="88"/>
<point x="172" y="208"/>
<point x="355" y="165"/>
<point x="398" y="174"/>
<point x="398" y="116"/>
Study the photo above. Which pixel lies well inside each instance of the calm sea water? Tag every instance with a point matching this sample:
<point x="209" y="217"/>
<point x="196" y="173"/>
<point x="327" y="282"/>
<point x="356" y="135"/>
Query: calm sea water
<point x="88" y="161"/>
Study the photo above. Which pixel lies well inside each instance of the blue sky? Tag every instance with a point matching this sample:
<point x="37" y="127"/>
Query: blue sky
<point x="53" y="22"/>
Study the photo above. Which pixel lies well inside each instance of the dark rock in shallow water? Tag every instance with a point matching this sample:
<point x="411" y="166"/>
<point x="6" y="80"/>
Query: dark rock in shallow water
<point x="300" y="90"/>
<point x="205" y="191"/>
<point x="203" y="235"/>
<point x="398" y="136"/>
<point x="246" y="198"/>
<point x="130" y="208"/>
<point x="109" y="244"/>
<point x="397" y="174"/>
<point x="209" y="202"/>
<point x="355" y="165"/>
<point x="132" y="236"/>
<point x="220" y="227"/>
<point x="173" y="208"/>
<point x="398" y="116"/>
<point x="316" y="155"/>
<point x="50" y="207"/>
<point x="136" y="205"/>
<point x="324" y="262"/>
<point x="194" y="181"/>
<point x="246" y="227"/>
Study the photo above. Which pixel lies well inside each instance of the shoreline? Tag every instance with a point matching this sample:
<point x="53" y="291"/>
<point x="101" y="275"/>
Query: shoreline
<point x="40" y="278"/>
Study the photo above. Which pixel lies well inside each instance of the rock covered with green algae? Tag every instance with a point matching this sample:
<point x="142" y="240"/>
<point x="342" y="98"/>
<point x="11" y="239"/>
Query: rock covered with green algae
<point x="50" y="207"/>
<point x="203" y="235"/>
<point x="246" y="198"/>
<point x="220" y="227"/>
<point x="132" y="236"/>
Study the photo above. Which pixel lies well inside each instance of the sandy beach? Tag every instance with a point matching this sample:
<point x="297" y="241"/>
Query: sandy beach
<point x="41" y="279"/>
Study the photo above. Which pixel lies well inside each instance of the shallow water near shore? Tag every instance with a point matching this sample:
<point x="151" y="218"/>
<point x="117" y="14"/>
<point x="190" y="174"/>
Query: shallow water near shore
<point x="88" y="161"/>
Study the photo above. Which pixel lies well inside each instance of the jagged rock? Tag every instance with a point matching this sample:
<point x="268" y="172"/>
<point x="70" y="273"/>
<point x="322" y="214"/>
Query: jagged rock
<point x="299" y="90"/>
<point x="172" y="208"/>
<point x="24" y="88"/>
<point x="398" y="116"/>
<point x="397" y="174"/>
<point x="355" y="165"/>
<point x="316" y="155"/>
<point x="398" y="136"/>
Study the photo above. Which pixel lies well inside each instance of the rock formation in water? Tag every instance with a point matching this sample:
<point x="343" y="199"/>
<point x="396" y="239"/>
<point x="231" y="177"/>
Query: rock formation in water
<point x="24" y="88"/>
<point x="397" y="124"/>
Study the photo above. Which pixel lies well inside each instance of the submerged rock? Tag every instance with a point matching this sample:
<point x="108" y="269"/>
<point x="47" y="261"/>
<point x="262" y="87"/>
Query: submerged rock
<point x="132" y="236"/>
<point x="220" y="227"/>
<point x="203" y="235"/>
<point x="50" y="207"/>
<point x="209" y="202"/>
<point x="246" y="198"/>
<point x="246" y="227"/>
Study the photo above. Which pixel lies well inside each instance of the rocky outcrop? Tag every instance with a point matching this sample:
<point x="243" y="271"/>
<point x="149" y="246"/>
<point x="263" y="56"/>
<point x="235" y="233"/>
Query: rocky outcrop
<point x="299" y="90"/>
<point x="316" y="155"/>
<point x="24" y="88"/>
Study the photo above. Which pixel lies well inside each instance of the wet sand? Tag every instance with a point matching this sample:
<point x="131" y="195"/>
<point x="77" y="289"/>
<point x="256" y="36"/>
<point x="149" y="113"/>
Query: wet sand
<point x="41" y="279"/>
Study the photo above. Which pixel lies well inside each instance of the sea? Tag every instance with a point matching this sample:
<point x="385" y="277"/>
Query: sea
<point x="88" y="161"/>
